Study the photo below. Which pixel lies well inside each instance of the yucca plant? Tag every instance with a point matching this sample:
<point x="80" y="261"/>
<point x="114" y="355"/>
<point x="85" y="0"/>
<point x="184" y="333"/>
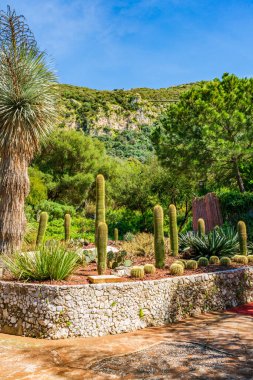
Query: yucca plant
<point x="219" y="242"/>
<point x="27" y="114"/>
<point x="53" y="262"/>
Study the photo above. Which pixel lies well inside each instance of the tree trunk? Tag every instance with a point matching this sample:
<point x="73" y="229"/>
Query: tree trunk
<point x="14" y="187"/>
<point x="238" y="175"/>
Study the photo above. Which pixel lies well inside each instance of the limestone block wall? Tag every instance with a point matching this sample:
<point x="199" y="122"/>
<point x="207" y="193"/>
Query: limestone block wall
<point x="49" y="311"/>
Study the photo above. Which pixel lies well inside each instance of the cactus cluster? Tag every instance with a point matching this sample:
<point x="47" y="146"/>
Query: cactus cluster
<point x="137" y="272"/>
<point x="225" y="261"/>
<point x="100" y="203"/>
<point x="42" y="228"/>
<point x="203" y="262"/>
<point x="191" y="264"/>
<point x="149" y="269"/>
<point x="250" y="258"/>
<point x="201" y="227"/>
<point x="159" y="237"/>
<point x="181" y="262"/>
<point x="242" y="233"/>
<point x="173" y="230"/>
<point x="214" y="260"/>
<point x="176" y="269"/>
<point x="241" y="259"/>
<point x="67" y="226"/>
<point x="102" y="236"/>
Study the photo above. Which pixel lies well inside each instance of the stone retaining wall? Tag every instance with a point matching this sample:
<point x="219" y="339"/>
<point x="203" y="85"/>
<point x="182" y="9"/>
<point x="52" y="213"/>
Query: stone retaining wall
<point x="49" y="311"/>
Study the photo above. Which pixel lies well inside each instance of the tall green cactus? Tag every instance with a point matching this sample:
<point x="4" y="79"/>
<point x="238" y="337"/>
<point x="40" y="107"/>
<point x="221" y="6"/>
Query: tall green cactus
<point x="173" y="230"/>
<point x="242" y="233"/>
<point x="102" y="237"/>
<point x="116" y="234"/>
<point x="201" y="227"/>
<point x="159" y="237"/>
<point x="42" y="228"/>
<point x="67" y="226"/>
<point x="100" y="202"/>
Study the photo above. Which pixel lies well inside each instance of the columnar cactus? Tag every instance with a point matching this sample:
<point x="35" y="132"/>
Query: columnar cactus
<point x="42" y="228"/>
<point x="116" y="234"/>
<point x="67" y="225"/>
<point x="173" y="230"/>
<point x="100" y="202"/>
<point x="159" y="237"/>
<point x="201" y="227"/>
<point x="242" y="233"/>
<point x="102" y="236"/>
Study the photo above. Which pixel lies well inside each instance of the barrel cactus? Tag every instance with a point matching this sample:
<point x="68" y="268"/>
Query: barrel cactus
<point x="42" y="228"/>
<point x="102" y="237"/>
<point x="203" y="262"/>
<point x="241" y="259"/>
<point x="201" y="227"/>
<point x="137" y="272"/>
<point x="67" y="226"/>
<point x="242" y="233"/>
<point x="214" y="260"/>
<point x="100" y="202"/>
<point x="149" y="269"/>
<point x="159" y="237"/>
<point x="191" y="264"/>
<point x="225" y="261"/>
<point x="176" y="269"/>
<point x="173" y="230"/>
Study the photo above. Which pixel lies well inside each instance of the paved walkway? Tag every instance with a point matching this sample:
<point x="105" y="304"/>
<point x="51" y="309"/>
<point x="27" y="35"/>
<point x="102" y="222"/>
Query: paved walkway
<point x="228" y="335"/>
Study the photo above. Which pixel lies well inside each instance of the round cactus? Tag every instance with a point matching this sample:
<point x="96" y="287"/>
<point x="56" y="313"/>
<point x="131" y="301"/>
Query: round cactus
<point x="100" y="202"/>
<point x="203" y="262"/>
<point x="235" y="257"/>
<point x="67" y="226"/>
<point x="159" y="237"/>
<point x="173" y="230"/>
<point x="116" y="234"/>
<point x="250" y="258"/>
<point x="242" y="259"/>
<point x="176" y="269"/>
<point x="214" y="260"/>
<point x="242" y="233"/>
<point x="201" y="227"/>
<point x="137" y="272"/>
<point x="191" y="264"/>
<point x="102" y="247"/>
<point x="42" y="228"/>
<point x="180" y="262"/>
<point x="149" y="269"/>
<point x="225" y="261"/>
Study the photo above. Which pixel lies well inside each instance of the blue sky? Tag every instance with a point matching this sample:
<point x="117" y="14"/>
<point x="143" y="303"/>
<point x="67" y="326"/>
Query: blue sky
<point x="107" y="44"/>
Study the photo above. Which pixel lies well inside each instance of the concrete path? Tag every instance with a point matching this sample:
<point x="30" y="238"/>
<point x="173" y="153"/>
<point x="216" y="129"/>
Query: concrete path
<point x="229" y="336"/>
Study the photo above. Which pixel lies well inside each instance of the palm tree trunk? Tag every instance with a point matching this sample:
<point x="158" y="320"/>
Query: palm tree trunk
<point x="14" y="187"/>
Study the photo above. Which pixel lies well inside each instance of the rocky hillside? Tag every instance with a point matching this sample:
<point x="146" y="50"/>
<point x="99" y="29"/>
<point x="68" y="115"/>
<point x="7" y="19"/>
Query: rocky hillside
<point x="121" y="118"/>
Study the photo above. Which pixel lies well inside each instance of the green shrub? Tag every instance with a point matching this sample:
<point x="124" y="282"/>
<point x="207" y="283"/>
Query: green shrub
<point x="203" y="262"/>
<point x="137" y="272"/>
<point x="55" y="210"/>
<point x="53" y="262"/>
<point x="191" y="264"/>
<point x="149" y="269"/>
<point x="129" y="236"/>
<point x="176" y="269"/>
<point x="214" y="260"/>
<point x="225" y="261"/>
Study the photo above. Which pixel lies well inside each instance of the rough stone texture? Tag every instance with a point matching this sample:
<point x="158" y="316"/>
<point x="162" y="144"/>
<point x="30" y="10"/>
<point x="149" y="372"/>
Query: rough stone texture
<point x="49" y="311"/>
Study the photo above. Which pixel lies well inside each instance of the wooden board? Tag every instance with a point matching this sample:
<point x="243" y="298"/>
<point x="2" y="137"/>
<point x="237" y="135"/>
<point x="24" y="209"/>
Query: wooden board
<point x="104" y="278"/>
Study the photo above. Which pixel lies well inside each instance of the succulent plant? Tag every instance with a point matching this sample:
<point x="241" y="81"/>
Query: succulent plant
<point x="214" y="260"/>
<point x="102" y="238"/>
<point x="180" y="262"/>
<point x="159" y="237"/>
<point x="241" y="259"/>
<point x="42" y="228"/>
<point x="201" y="227"/>
<point x="173" y="230"/>
<point x="67" y="226"/>
<point x="116" y="259"/>
<point x="100" y="203"/>
<point x="250" y="258"/>
<point x="90" y="256"/>
<point x="116" y="234"/>
<point x="225" y="261"/>
<point x="149" y="269"/>
<point x="137" y="272"/>
<point x="191" y="264"/>
<point x="242" y="233"/>
<point x="203" y="262"/>
<point x="176" y="269"/>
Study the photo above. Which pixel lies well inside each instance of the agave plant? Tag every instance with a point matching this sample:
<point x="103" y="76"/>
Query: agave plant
<point x="27" y="114"/>
<point x="219" y="242"/>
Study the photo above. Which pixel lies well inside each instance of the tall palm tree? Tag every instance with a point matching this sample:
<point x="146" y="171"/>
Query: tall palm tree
<point x="27" y="114"/>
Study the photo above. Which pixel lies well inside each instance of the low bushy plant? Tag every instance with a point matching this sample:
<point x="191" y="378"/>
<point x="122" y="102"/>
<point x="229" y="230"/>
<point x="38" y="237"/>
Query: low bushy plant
<point x="142" y="245"/>
<point x="137" y="272"/>
<point x="53" y="262"/>
<point x="149" y="269"/>
<point x="203" y="262"/>
<point x="214" y="260"/>
<point x="116" y="259"/>
<point x="191" y="264"/>
<point x="176" y="269"/>
<point x="225" y="261"/>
